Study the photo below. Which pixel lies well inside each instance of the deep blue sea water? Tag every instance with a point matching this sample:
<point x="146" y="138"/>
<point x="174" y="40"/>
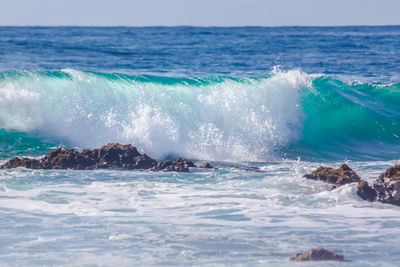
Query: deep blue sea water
<point x="284" y="99"/>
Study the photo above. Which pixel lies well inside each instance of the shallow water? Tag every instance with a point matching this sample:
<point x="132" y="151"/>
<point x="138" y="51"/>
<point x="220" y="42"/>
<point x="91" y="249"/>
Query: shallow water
<point x="225" y="216"/>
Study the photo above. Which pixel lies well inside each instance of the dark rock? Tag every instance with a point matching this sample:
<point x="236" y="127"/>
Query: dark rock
<point x="365" y="191"/>
<point x="387" y="192"/>
<point x="206" y="166"/>
<point x="66" y="159"/>
<point x="318" y="254"/>
<point x="164" y="165"/>
<point x="109" y="156"/>
<point x="115" y="156"/>
<point x="186" y="163"/>
<point x="392" y="174"/>
<point x="343" y="175"/>
<point x="144" y="162"/>
<point x="387" y="186"/>
<point x="179" y="165"/>
<point x="26" y="162"/>
<point x="385" y="189"/>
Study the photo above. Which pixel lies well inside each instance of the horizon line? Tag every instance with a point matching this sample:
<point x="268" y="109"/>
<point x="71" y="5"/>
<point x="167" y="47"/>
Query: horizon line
<point x="205" y="26"/>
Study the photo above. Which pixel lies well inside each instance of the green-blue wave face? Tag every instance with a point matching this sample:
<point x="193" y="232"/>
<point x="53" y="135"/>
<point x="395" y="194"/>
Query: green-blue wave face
<point x="21" y="144"/>
<point x="217" y="118"/>
<point x="354" y="121"/>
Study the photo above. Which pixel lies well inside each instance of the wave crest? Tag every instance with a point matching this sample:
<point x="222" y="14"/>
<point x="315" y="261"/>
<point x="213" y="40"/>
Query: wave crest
<point x="214" y="118"/>
<point x="219" y="118"/>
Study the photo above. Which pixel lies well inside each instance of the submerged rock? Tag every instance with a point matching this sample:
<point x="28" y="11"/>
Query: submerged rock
<point x="318" y="254"/>
<point x="341" y="176"/>
<point x="385" y="189"/>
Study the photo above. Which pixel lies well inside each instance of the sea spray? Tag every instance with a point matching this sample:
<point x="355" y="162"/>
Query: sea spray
<point x="288" y="113"/>
<point x="217" y="118"/>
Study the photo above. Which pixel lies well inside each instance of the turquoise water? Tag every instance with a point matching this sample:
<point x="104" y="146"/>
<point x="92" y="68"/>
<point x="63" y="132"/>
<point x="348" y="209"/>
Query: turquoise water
<point x="263" y="105"/>
<point x="286" y="113"/>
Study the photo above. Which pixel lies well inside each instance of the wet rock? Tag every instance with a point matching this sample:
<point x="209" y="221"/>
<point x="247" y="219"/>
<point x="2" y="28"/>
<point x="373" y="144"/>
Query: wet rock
<point x="179" y="165"/>
<point x="66" y="159"/>
<point x="387" y="186"/>
<point x="365" y="191"/>
<point x="392" y="173"/>
<point x="113" y="155"/>
<point x="318" y="254"/>
<point x="337" y="177"/>
<point x="143" y="162"/>
<point x="206" y="166"/>
<point x="17" y="162"/>
<point x="186" y="163"/>
<point x="110" y="156"/>
<point x="385" y="189"/>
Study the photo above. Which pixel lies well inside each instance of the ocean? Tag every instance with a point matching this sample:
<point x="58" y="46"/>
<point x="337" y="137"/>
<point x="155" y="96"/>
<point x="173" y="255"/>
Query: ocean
<point x="263" y="105"/>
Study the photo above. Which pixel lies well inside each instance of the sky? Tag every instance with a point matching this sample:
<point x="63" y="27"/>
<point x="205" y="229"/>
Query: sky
<point x="199" y="12"/>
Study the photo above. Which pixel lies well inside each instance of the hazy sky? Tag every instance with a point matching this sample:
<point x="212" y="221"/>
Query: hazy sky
<point x="199" y="12"/>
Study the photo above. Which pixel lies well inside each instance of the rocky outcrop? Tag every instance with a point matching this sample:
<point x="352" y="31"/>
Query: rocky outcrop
<point x="385" y="189"/>
<point x="337" y="177"/>
<point x="115" y="156"/>
<point x="318" y="254"/>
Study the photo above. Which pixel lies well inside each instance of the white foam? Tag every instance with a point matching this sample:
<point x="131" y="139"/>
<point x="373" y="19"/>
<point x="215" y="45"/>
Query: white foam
<point x="17" y="108"/>
<point x="155" y="217"/>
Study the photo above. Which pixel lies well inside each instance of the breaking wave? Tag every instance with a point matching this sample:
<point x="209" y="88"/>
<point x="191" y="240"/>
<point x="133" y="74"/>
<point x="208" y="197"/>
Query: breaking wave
<point x="217" y="118"/>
